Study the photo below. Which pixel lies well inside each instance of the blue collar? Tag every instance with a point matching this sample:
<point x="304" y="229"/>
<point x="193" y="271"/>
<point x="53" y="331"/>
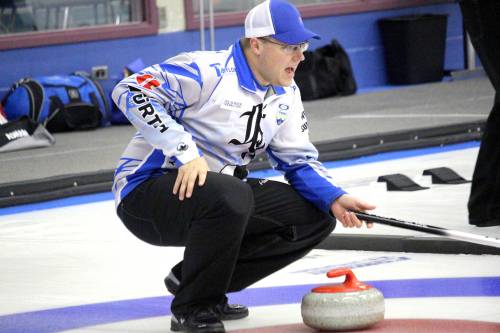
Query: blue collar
<point x="245" y="75"/>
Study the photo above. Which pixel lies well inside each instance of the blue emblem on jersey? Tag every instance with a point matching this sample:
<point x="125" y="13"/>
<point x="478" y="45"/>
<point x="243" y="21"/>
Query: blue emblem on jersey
<point x="282" y="114"/>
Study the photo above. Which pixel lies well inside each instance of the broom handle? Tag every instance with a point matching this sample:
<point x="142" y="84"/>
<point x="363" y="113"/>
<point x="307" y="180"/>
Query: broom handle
<point x="448" y="233"/>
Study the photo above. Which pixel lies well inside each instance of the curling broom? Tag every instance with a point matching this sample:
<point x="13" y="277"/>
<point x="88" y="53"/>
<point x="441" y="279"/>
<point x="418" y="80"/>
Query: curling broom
<point x="454" y="234"/>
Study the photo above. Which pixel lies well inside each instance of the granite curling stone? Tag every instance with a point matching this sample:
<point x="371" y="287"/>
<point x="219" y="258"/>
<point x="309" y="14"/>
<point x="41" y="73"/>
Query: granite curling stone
<point x="347" y="306"/>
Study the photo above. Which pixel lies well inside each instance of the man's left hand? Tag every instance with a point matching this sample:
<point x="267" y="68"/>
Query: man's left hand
<point x="341" y="210"/>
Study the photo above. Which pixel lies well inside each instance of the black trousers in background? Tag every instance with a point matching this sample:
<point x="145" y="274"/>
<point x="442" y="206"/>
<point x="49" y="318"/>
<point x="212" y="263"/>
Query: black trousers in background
<point x="482" y="22"/>
<point x="234" y="232"/>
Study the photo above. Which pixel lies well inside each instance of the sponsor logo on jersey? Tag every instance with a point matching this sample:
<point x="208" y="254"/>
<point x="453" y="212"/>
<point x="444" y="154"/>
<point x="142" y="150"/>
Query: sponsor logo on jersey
<point x="146" y="109"/>
<point x="231" y="105"/>
<point x="182" y="147"/>
<point x="219" y="70"/>
<point x="305" y="124"/>
<point x="147" y="81"/>
<point x="282" y="113"/>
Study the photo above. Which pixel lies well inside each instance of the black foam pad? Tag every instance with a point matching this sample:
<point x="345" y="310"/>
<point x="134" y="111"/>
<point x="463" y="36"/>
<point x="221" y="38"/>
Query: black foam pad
<point x="400" y="182"/>
<point x="444" y="176"/>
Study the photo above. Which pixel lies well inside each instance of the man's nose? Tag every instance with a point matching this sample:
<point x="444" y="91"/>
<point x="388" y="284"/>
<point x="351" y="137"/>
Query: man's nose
<point x="298" y="55"/>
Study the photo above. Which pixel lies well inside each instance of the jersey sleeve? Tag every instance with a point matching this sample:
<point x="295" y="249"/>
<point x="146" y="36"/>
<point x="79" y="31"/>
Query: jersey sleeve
<point x="155" y="99"/>
<point x="292" y="153"/>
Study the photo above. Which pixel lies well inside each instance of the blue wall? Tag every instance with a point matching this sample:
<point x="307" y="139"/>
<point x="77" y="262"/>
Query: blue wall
<point x="358" y="33"/>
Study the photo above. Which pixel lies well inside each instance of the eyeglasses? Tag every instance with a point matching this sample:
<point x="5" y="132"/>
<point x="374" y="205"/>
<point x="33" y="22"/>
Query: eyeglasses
<point x="289" y="49"/>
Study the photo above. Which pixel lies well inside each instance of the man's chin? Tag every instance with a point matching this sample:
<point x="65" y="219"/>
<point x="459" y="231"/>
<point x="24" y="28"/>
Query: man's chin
<point x="285" y="82"/>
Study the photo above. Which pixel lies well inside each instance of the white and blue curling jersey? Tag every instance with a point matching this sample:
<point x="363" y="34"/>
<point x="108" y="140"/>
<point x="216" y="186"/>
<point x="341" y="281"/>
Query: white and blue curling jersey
<point x="209" y="104"/>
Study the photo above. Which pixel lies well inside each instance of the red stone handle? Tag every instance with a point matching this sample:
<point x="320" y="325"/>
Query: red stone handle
<point x="350" y="279"/>
<point x="350" y="284"/>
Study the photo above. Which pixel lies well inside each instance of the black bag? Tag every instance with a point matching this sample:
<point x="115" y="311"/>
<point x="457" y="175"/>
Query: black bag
<point x="325" y="72"/>
<point x="60" y="102"/>
<point x="23" y="133"/>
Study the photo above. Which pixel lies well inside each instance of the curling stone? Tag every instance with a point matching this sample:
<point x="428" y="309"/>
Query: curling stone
<point x="346" y="306"/>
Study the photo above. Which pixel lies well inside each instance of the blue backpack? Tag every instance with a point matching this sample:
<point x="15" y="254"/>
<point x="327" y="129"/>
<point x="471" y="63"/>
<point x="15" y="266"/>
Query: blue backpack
<point x="60" y="102"/>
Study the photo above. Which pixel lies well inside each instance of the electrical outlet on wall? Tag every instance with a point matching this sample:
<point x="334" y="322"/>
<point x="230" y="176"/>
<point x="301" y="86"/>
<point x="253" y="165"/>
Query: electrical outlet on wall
<point x="100" y="72"/>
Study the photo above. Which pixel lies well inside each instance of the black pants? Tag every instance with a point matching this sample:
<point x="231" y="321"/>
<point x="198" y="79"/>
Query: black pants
<point x="234" y="232"/>
<point x="482" y="22"/>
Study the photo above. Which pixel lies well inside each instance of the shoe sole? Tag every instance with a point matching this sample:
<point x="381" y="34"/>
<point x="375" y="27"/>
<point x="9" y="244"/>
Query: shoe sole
<point x="233" y="316"/>
<point x="176" y="327"/>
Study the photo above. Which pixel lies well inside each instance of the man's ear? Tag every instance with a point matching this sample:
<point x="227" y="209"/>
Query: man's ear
<point x="255" y="46"/>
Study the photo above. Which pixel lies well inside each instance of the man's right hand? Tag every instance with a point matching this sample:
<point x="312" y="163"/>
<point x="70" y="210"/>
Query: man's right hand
<point x="187" y="176"/>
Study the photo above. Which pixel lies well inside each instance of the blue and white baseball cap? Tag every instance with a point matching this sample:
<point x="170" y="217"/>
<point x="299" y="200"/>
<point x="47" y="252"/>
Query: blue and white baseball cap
<point x="278" y="19"/>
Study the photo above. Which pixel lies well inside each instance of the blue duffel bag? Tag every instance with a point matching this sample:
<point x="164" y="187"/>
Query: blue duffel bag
<point x="59" y="102"/>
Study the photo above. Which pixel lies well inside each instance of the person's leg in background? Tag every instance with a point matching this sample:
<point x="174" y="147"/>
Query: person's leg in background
<point x="482" y="22"/>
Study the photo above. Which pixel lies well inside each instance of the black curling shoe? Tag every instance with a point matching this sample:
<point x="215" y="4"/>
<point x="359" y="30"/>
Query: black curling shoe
<point x="223" y="310"/>
<point x="202" y="320"/>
